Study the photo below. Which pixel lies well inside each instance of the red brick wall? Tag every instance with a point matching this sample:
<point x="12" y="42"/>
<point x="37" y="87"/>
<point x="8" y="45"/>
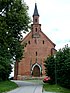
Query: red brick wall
<point x="43" y="51"/>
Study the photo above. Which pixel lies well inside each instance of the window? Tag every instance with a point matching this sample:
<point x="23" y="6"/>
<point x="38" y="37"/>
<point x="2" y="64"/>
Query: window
<point x="25" y="44"/>
<point x="35" y="41"/>
<point x="35" y="20"/>
<point x="28" y="42"/>
<point x="43" y="41"/>
<point x="36" y="29"/>
<point x="36" y="53"/>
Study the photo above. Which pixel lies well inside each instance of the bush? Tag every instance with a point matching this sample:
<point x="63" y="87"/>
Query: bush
<point x="60" y="73"/>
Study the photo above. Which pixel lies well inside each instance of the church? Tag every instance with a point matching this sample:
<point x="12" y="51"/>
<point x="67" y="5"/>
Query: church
<point x="37" y="48"/>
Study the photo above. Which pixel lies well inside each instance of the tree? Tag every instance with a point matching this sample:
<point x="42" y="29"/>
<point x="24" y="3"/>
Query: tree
<point x="50" y="68"/>
<point x="62" y="63"/>
<point x="14" y="20"/>
<point x="5" y="68"/>
<point x="63" y="66"/>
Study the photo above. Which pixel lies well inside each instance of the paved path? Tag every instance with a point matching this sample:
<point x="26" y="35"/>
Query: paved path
<point x="27" y="87"/>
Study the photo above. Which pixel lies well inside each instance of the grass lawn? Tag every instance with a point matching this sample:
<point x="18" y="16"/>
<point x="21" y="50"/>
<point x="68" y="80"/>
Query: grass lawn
<point x="7" y="86"/>
<point x="55" y="88"/>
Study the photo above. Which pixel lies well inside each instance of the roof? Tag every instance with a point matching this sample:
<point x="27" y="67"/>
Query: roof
<point x="36" y="11"/>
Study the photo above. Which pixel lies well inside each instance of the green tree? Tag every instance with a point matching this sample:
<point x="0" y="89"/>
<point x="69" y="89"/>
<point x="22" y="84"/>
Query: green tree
<point x="58" y="67"/>
<point x="50" y="68"/>
<point x="63" y="66"/>
<point x="14" y="20"/>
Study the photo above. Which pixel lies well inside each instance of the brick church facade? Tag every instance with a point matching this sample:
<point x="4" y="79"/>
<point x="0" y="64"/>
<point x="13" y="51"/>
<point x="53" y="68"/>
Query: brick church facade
<point x="38" y="48"/>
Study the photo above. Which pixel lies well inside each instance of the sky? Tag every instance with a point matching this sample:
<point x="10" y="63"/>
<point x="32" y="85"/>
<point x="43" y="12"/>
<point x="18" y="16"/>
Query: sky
<point x="55" y="19"/>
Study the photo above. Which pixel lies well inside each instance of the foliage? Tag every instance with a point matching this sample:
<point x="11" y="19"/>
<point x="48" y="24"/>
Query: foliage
<point x="63" y="66"/>
<point x="58" y="67"/>
<point x="7" y="86"/>
<point x="55" y="88"/>
<point x="14" y="21"/>
<point x="50" y="68"/>
<point x="5" y="68"/>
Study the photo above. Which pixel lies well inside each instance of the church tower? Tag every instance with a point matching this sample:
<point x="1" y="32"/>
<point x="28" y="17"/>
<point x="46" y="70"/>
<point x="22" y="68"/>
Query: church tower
<point x="37" y="48"/>
<point x="36" y="27"/>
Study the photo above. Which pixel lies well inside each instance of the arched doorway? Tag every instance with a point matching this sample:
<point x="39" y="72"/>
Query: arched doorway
<point x="36" y="71"/>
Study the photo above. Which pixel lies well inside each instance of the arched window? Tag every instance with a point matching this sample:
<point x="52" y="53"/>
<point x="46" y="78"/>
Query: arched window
<point x="36" y="53"/>
<point x="28" y="42"/>
<point x="36" y="29"/>
<point x="35" y="20"/>
<point x="43" y="41"/>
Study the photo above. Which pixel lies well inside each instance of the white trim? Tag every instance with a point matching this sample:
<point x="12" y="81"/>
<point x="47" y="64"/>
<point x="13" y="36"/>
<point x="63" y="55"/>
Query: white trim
<point x="36" y="65"/>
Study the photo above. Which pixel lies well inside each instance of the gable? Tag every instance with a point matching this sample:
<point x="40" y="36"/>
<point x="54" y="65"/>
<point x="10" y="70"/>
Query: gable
<point x="42" y="35"/>
<point x="28" y="36"/>
<point x="45" y="36"/>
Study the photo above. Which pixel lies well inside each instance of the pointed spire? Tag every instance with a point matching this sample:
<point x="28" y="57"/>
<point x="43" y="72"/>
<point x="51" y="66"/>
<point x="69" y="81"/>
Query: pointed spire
<point x="36" y="11"/>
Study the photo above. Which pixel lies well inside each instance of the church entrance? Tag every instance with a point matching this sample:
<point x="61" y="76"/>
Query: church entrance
<point x="36" y="71"/>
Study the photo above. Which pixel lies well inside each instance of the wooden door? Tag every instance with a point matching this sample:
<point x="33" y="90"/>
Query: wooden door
<point x="36" y="71"/>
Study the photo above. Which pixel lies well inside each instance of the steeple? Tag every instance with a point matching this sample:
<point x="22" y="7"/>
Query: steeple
<point x="36" y="11"/>
<point x="35" y="15"/>
<point x="36" y="27"/>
